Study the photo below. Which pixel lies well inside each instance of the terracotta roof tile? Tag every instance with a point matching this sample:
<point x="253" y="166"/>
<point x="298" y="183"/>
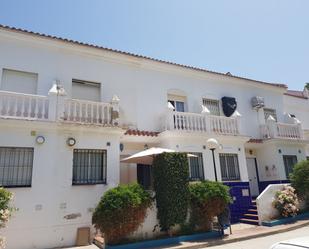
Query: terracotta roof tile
<point x="136" y="55"/>
<point x="132" y="132"/>
<point x="297" y="94"/>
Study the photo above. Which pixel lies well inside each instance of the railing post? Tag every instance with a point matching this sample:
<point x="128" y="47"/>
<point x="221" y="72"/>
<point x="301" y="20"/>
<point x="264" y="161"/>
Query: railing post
<point x="237" y="116"/>
<point x="56" y="96"/>
<point x="272" y="126"/>
<point x="169" y="122"/>
<point x="115" y="110"/>
<point x="299" y="128"/>
<point x="206" y="113"/>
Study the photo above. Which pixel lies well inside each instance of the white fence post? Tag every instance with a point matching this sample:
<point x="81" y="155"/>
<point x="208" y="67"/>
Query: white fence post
<point x="115" y="110"/>
<point x="56" y="104"/>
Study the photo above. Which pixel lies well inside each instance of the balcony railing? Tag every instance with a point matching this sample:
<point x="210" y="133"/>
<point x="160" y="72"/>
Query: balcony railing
<point x="56" y="107"/>
<point x="194" y="122"/>
<point x="23" y="106"/>
<point x="88" y="112"/>
<point x="281" y="130"/>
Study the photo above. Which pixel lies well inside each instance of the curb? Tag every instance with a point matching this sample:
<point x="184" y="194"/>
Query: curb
<point x="253" y="236"/>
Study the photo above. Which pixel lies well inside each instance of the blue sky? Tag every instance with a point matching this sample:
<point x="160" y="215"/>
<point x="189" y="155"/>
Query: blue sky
<point x="265" y="40"/>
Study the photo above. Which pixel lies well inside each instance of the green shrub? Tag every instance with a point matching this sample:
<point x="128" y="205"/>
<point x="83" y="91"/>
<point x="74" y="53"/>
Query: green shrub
<point x="171" y="184"/>
<point x="300" y="179"/>
<point x="5" y="210"/>
<point x="208" y="199"/>
<point x="121" y="211"/>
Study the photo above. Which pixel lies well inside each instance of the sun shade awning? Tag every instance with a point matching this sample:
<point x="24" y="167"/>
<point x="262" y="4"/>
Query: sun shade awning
<point x="146" y="156"/>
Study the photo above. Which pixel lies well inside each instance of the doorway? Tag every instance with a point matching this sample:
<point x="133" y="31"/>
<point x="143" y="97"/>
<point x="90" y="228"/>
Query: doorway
<point x="253" y="176"/>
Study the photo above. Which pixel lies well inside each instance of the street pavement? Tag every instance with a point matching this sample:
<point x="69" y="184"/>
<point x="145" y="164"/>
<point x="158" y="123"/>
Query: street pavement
<point x="264" y="242"/>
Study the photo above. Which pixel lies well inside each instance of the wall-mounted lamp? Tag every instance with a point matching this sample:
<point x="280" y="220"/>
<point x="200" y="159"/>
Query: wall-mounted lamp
<point x="40" y="140"/>
<point x="121" y="147"/>
<point x="279" y="151"/>
<point x="71" y="141"/>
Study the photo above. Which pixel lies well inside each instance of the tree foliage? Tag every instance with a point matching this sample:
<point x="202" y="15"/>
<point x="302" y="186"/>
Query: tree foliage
<point x="121" y="211"/>
<point x="300" y="179"/>
<point x="171" y="184"/>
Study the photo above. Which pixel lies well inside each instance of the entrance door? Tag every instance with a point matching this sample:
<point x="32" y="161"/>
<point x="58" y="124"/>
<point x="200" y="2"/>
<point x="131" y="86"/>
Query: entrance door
<point x="253" y="178"/>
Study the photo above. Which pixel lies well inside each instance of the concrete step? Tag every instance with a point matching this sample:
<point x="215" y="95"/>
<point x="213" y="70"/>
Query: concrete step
<point x="251" y="216"/>
<point x="249" y="221"/>
<point x="252" y="211"/>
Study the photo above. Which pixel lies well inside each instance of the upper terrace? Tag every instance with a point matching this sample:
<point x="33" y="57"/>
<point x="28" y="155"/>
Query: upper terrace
<point x="57" y="107"/>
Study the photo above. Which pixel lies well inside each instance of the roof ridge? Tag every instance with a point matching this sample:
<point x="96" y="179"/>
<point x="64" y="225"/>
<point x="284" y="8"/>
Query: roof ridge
<point x="136" y="55"/>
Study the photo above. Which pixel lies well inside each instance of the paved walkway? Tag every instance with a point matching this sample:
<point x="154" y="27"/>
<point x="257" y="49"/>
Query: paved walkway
<point x="265" y="242"/>
<point x="243" y="232"/>
<point x="240" y="231"/>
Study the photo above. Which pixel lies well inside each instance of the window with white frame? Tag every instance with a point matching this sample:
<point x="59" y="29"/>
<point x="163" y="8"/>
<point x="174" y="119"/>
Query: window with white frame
<point x="178" y="102"/>
<point x="89" y="166"/>
<point x="229" y="167"/>
<point x="213" y="106"/>
<point x="268" y="112"/>
<point x="196" y="167"/>
<point x="19" y="81"/>
<point x="86" y="90"/>
<point x="289" y="162"/>
<point x="16" y="165"/>
<point x="179" y="106"/>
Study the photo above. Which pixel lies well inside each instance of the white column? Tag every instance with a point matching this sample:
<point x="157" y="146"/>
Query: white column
<point x="56" y="96"/>
<point x="205" y="112"/>
<point x="272" y="126"/>
<point x="169" y="123"/>
<point x="115" y="110"/>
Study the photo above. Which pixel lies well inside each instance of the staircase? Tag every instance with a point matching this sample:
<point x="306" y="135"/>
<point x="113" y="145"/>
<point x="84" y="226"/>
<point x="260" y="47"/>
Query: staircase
<point x="251" y="216"/>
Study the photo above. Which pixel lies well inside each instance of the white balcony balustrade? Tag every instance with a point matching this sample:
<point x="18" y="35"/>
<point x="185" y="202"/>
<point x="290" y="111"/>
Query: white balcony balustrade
<point x="88" y="112"/>
<point x="23" y="106"/>
<point x="57" y="107"/>
<point x="194" y="122"/>
<point x="281" y="130"/>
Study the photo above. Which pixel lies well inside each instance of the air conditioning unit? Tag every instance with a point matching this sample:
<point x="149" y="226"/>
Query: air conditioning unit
<point x="257" y="102"/>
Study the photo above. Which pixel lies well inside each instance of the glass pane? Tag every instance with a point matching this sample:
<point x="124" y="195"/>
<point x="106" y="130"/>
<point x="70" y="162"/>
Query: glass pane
<point x="180" y="106"/>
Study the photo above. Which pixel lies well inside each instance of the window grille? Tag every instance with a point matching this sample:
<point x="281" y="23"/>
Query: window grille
<point x="229" y="167"/>
<point x="289" y="162"/>
<point x="213" y="106"/>
<point x="89" y="166"/>
<point x="196" y="167"/>
<point x="16" y="165"/>
<point x="268" y="112"/>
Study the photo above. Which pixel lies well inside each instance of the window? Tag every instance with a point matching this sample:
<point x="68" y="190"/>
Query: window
<point x="268" y="112"/>
<point x="289" y="162"/>
<point x="16" y="166"/>
<point x="89" y="166"/>
<point x="213" y="106"/>
<point x="86" y="90"/>
<point x="196" y="167"/>
<point x="178" y="105"/>
<point x="18" y="81"/>
<point x="229" y="167"/>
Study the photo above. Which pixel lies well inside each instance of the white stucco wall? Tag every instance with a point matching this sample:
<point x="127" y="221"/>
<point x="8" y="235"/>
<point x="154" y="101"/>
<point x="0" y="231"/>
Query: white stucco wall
<point x="39" y="221"/>
<point x="138" y="83"/>
<point x="264" y="201"/>
<point x="270" y="160"/>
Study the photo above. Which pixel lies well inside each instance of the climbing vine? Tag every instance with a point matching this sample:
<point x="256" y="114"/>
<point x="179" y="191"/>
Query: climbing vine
<point x="171" y="185"/>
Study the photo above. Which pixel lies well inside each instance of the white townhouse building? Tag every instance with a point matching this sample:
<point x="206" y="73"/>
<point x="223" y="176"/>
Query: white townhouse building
<point x="69" y="112"/>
